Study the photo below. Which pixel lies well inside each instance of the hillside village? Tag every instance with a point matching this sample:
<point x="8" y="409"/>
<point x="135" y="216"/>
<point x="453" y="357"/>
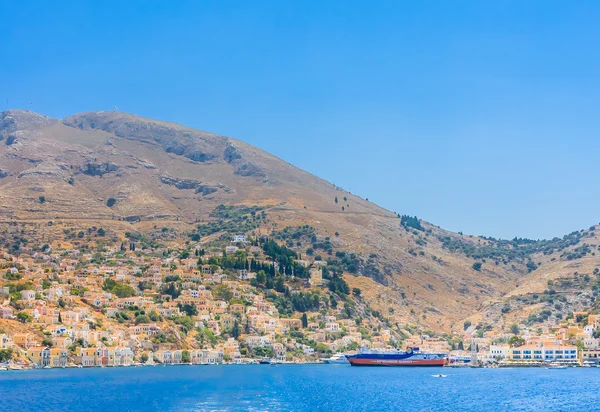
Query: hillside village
<point x="233" y="299"/>
<point x="120" y="305"/>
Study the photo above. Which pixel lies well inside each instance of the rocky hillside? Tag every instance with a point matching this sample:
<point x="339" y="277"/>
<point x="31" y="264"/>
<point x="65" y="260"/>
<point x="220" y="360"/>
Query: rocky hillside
<point x="128" y="174"/>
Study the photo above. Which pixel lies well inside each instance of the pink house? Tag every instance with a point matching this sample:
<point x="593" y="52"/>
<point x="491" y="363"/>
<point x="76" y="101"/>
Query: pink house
<point x="6" y="312"/>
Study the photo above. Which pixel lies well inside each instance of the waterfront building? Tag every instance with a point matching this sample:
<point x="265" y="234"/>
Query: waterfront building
<point x="499" y="352"/>
<point x="546" y="353"/>
<point x="39" y="355"/>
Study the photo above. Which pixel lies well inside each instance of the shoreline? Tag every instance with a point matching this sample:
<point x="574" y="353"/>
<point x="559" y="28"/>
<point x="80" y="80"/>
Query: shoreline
<point x="27" y="368"/>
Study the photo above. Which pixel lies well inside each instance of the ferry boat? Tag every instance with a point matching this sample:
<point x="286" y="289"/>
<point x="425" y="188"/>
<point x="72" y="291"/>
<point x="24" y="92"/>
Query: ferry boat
<point x="338" y="358"/>
<point x="409" y="357"/>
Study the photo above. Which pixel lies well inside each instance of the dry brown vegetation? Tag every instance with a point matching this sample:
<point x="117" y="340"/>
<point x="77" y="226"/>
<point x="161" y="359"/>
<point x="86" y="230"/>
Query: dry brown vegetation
<point x="165" y="175"/>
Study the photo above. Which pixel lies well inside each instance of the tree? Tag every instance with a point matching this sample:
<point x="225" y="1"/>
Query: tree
<point x="235" y="330"/>
<point x="279" y="285"/>
<point x="477" y="266"/>
<point x="47" y="342"/>
<point x="336" y="200"/>
<point x="24" y="317"/>
<point x="204" y="335"/>
<point x="467" y="324"/>
<point x="144" y="358"/>
<point x="410" y="221"/>
<point x="111" y="202"/>
<point x="6" y="355"/>
<point x="188" y="309"/>
<point x="185" y="357"/>
<point x="59" y="318"/>
<point x="338" y="285"/>
<point x="42" y="199"/>
<point x="304" y="320"/>
<point x="261" y="277"/>
<point x="515" y="341"/>
<point x="142" y="319"/>
<point x="170" y="289"/>
<point x="514" y="329"/>
<point x="223" y="292"/>
<point x="321" y="348"/>
<point x="356" y="292"/>
<point x="123" y="291"/>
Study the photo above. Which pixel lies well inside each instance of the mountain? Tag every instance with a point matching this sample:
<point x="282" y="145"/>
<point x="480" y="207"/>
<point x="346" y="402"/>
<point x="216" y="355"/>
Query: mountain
<point x="177" y="185"/>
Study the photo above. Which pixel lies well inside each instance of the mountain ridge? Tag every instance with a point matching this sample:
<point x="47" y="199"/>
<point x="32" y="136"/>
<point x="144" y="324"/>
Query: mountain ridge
<point x="160" y="173"/>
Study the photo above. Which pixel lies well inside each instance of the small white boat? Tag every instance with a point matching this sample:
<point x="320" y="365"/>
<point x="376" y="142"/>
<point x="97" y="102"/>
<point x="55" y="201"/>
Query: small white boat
<point x="556" y="365"/>
<point x="439" y="375"/>
<point x="338" y="358"/>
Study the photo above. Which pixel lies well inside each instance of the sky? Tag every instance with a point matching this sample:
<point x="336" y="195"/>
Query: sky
<point x="479" y="117"/>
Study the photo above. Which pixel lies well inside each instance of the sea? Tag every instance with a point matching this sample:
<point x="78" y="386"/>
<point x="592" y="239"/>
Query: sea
<point x="299" y="388"/>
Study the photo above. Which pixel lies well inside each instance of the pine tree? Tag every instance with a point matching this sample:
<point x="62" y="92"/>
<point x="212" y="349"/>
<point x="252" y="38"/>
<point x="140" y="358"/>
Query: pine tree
<point x="304" y="320"/>
<point x="235" y="331"/>
<point x="279" y="285"/>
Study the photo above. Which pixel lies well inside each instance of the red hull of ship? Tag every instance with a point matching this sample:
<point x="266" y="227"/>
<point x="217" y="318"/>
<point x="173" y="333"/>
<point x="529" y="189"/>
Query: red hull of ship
<point x="395" y="362"/>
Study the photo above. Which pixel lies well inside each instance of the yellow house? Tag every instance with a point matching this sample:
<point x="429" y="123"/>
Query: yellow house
<point x="24" y="340"/>
<point x="236" y="308"/>
<point x="594" y="320"/>
<point x="39" y="355"/>
<point x="58" y="357"/>
<point x="87" y="356"/>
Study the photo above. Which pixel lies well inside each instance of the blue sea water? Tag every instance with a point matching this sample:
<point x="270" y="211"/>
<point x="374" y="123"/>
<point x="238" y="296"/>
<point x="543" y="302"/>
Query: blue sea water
<point x="299" y="388"/>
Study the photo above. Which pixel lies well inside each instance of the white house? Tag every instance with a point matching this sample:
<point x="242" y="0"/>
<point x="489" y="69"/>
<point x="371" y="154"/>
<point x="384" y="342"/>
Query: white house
<point x="499" y="352"/>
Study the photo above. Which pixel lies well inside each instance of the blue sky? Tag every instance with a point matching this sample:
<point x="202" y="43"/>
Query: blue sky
<point x="476" y="116"/>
